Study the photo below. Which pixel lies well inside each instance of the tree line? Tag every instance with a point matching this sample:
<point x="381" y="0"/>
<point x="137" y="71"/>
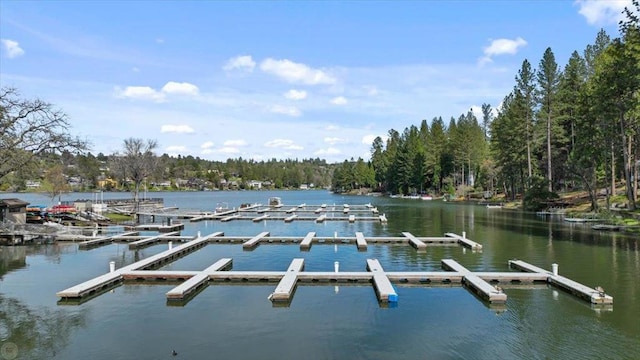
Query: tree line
<point x="558" y="129"/>
<point x="566" y="128"/>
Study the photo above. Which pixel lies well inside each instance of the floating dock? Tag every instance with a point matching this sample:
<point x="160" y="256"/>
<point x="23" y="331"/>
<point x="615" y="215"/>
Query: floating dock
<point x="197" y="281"/>
<point x="479" y="283"/>
<point x="482" y="288"/>
<point x="414" y="241"/>
<point x="359" y="240"/>
<point x="253" y="242"/>
<point x="287" y="285"/>
<point x="106" y="281"/>
<point x="149" y="240"/>
<point x="594" y="296"/>
<point x="287" y="213"/>
<point x="305" y="244"/>
<point x="382" y="284"/>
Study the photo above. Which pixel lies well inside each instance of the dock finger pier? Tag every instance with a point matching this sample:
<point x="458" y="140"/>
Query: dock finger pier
<point x="487" y="286"/>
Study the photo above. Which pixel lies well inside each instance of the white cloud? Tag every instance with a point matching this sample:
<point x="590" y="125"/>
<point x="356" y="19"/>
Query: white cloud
<point x="228" y="150"/>
<point x="295" y="94"/>
<point x="328" y="151"/>
<point x="332" y="128"/>
<point x="222" y="150"/>
<point x="501" y="47"/>
<point x="207" y="145"/>
<point x="286" y="110"/>
<point x="340" y="100"/>
<point x="179" y="129"/>
<point x="182" y="88"/>
<point x="148" y="93"/>
<point x="159" y="41"/>
<point x="283" y="144"/>
<point x="296" y="72"/>
<point x="335" y="140"/>
<point x="12" y="48"/>
<point x="141" y="93"/>
<point x="368" y="139"/>
<point x="243" y="62"/>
<point x="176" y="150"/>
<point x="599" y="12"/>
<point x="235" y="143"/>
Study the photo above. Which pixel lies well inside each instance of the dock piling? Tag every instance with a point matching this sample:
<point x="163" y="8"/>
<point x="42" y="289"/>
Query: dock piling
<point x="554" y="269"/>
<point x="112" y="266"/>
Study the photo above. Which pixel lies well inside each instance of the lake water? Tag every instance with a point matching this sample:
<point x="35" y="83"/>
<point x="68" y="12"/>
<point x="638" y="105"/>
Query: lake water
<point x="325" y="322"/>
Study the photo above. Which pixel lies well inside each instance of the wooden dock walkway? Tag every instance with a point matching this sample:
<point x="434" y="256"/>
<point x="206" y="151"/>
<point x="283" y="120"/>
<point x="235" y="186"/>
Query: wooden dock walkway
<point x="381" y="283"/>
<point x="478" y="285"/>
<point x="418" y="244"/>
<point x="463" y="240"/>
<point x="478" y="282"/>
<point x="253" y="242"/>
<point x="305" y="244"/>
<point x="149" y="240"/>
<point x="196" y="282"/>
<point x="157" y="227"/>
<point x="592" y="295"/>
<point x="193" y="281"/>
<point x="106" y="281"/>
<point x="287" y="285"/>
<point x="104" y="240"/>
<point x="350" y="213"/>
<point x="260" y="218"/>
<point x="361" y="242"/>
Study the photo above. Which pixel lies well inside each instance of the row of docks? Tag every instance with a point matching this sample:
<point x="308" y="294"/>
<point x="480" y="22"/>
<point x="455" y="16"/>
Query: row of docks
<point x="135" y="241"/>
<point x="488" y="286"/>
<point x="286" y="213"/>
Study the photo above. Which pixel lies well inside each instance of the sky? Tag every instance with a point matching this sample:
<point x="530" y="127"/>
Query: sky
<point x="279" y="79"/>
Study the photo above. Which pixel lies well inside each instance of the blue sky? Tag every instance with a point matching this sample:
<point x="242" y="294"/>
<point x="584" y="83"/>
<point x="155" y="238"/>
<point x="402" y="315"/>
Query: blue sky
<point x="266" y="79"/>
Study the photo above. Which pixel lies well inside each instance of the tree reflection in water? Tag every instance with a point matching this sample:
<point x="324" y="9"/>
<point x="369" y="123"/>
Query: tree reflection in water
<point x="31" y="332"/>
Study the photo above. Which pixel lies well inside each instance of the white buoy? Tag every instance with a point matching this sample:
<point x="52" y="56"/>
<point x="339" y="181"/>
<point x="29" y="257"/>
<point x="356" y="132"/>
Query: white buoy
<point x="554" y="269"/>
<point x="336" y="266"/>
<point x="112" y="266"/>
<point x="170" y="245"/>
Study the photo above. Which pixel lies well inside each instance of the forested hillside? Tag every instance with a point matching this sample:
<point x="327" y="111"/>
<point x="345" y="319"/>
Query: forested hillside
<point x="561" y="128"/>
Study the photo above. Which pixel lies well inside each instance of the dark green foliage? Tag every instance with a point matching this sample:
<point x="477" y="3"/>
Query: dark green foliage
<point x="538" y="196"/>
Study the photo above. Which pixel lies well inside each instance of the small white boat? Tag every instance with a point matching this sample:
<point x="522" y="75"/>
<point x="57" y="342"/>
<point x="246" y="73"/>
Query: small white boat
<point x="222" y="207"/>
<point x="581" y="220"/>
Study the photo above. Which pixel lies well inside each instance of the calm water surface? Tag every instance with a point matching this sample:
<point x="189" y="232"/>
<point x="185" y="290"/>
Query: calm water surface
<point x="328" y="322"/>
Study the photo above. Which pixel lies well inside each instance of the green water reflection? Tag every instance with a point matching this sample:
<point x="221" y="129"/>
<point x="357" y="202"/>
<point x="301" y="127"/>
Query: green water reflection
<point x="334" y="321"/>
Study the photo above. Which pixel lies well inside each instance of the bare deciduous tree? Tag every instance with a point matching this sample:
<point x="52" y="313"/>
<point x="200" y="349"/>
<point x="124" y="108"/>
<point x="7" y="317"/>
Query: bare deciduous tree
<point x="136" y="162"/>
<point x="29" y="128"/>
